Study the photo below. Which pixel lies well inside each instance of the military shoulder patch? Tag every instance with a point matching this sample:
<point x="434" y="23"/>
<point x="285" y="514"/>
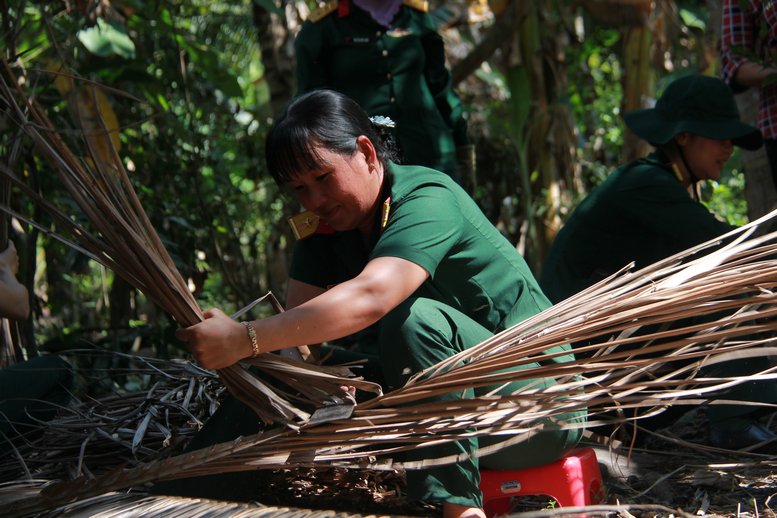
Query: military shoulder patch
<point x="323" y="11"/>
<point x="419" y="5"/>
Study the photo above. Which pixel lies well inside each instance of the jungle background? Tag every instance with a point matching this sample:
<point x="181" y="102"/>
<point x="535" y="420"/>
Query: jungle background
<point x="189" y="89"/>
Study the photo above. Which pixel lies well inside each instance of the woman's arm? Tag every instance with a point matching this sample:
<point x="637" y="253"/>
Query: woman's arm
<point x="14" y="299"/>
<point x="349" y="307"/>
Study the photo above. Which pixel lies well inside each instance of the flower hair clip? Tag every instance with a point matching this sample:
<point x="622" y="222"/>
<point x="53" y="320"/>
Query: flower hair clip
<point x="382" y="122"/>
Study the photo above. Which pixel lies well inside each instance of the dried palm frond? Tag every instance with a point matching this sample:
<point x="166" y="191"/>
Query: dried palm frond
<point x="685" y="313"/>
<point x="124" y="240"/>
<point x="91" y="436"/>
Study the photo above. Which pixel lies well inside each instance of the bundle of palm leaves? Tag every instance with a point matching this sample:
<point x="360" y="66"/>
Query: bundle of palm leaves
<point x="651" y="333"/>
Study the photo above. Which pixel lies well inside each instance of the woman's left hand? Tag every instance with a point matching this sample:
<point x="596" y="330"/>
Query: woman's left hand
<point x="218" y="341"/>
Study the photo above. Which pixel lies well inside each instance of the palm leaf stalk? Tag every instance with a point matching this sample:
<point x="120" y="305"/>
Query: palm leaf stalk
<point x="685" y="312"/>
<point x="124" y="240"/>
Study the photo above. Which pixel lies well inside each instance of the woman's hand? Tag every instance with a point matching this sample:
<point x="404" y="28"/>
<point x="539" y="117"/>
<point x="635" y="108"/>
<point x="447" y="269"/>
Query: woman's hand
<point x="351" y="306"/>
<point x="218" y="341"/>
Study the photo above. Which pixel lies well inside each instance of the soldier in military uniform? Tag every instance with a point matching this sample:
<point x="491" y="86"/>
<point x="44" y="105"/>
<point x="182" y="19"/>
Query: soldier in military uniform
<point x="389" y="58"/>
<point x="435" y="286"/>
<point x="643" y="213"/>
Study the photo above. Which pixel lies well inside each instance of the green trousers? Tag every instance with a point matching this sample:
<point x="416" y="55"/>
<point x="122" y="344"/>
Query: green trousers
<point x="422" y="332"/>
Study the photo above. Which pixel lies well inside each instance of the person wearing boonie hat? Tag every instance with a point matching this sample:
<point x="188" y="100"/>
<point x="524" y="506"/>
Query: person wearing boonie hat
<point x="644" y="212"/>
<point x="692" y="107"/>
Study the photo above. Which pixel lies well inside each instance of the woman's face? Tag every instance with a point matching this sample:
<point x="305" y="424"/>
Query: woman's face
<point x="344" y="192"/>
<point x="705" y="156"/>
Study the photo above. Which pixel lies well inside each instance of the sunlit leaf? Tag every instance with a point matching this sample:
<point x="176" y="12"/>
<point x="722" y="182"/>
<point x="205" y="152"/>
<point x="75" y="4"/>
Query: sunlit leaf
<point x="107" y="39"/>
<point x="693" y="19"/>
<point x="96" y="111"/>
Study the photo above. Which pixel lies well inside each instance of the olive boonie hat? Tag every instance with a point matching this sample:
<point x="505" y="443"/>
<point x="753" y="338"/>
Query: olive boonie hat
<point x="696" y="104"/>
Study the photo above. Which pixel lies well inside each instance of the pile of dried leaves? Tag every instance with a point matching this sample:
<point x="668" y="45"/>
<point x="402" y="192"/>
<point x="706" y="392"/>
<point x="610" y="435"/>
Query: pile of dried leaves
<point x="92" y="436"/>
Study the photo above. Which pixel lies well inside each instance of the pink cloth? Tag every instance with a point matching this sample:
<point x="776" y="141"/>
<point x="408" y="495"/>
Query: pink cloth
<point x="382" y="11"/>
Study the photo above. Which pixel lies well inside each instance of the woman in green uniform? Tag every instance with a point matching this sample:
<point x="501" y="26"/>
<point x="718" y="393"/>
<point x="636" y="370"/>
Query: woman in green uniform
<point x="388" y="57"/>
<point x="403" y="246"/>
<point x="643" y="213"/>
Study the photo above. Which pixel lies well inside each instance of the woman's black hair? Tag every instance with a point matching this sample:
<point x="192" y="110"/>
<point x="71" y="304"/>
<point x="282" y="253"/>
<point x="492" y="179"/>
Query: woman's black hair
<point x="323" y="118"/>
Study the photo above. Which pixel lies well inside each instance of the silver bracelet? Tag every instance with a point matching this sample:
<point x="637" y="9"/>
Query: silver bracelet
<point x="252" y="335"/>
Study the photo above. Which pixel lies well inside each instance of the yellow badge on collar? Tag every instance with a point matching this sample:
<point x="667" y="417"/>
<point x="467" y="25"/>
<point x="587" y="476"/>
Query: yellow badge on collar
<point x="419" y="5"/>
<point x="304" y="224"/>
<point x="323" y="11"/>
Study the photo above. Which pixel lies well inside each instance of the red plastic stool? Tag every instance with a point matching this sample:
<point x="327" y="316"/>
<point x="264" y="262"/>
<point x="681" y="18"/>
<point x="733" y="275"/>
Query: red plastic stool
<point x="573" y="480"/>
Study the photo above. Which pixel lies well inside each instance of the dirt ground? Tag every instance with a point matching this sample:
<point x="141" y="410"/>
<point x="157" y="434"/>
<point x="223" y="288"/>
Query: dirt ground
<point x="649" y="483"/>
<point x="670" y="474"/>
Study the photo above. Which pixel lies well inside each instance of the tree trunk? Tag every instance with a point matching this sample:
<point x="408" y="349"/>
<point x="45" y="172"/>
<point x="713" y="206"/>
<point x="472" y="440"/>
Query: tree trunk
<point x="275" y="43"/>
<point x="638" y="83"/>
<point x="120" y="302"/>
<point x="507" y="22"/>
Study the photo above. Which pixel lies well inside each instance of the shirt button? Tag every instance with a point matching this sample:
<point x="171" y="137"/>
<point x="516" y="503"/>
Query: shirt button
<point x="385" y="53"/>
<point x="377" y="34"/>
<point x="392" y="100"/>
<point x="388" y="76"/>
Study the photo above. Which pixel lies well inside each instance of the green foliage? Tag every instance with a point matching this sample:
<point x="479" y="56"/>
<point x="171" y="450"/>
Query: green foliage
<point x="595" y="95"/>
<point x="693" y="17"/>
<point x="726" y="197"/>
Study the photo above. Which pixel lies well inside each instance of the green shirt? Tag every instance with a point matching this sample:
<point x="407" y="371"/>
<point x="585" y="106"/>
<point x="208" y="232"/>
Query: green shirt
<point x="436" y="225"/>
<point x="641" y="213"/>
<point x="398" y="73"/>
